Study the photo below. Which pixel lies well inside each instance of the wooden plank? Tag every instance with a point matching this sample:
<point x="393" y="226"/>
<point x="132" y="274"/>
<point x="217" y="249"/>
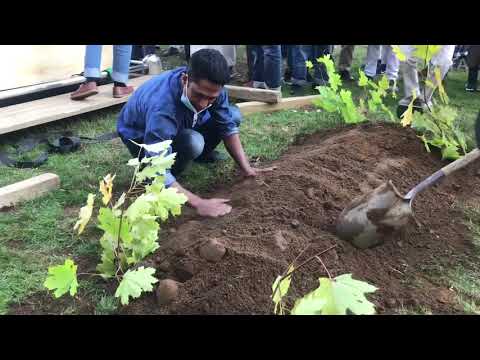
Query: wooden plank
<point x="248" y="93"/>
<point x="285" y="103"/>
<point x="22" y="116"/>
<point x="28" y="189"/>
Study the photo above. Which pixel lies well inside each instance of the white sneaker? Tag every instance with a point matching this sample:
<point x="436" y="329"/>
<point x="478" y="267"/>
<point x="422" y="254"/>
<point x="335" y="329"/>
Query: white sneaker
<point x="259" y="85"/>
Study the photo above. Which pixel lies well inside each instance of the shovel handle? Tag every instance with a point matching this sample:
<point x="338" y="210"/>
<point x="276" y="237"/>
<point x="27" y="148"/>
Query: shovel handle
<point x="460" y="163"/>
<point x="443" y="172"/>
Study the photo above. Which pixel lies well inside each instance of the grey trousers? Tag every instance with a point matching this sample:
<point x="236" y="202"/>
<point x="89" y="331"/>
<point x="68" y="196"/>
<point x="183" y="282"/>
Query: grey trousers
<point x="442" y="59"/>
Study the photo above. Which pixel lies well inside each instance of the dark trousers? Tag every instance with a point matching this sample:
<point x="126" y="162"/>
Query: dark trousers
<point x="189" y="145"/>
<point x="140" y="51"/>
<point x="267" y="64"/>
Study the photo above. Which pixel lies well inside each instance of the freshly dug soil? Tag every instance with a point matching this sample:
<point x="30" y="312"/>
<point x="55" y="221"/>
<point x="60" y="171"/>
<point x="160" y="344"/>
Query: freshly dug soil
<point x="278" y="215"/>
<point x="275" y="217"/>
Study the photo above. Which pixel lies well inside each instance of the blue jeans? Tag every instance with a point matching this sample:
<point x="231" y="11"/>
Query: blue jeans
<point x="300" y="54"/>
<point x="121" y="62"/>
<point x="267" y="64"/>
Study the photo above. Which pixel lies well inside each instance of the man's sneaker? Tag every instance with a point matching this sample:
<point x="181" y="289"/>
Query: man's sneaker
<point x="84" y="91"/>
<point x="122" y="91"/>
<point x="418" y="105"/>
<point x="345" y="75"/>
<point x="259" y="85"/>
<point x="212" y="157"/>
<point x="470" y="88"/>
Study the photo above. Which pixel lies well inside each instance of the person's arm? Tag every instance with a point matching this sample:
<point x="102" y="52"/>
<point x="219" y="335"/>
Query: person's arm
<point x="228" y="119"/>
<point x="204" y="207"/>
<point x="161" y="126"/>
<point x="235" y="149"/>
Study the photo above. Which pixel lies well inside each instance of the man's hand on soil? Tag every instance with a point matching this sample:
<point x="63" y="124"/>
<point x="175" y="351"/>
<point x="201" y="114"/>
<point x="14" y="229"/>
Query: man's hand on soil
<point x="253" y="172"/>
<point x="213" y="207"/>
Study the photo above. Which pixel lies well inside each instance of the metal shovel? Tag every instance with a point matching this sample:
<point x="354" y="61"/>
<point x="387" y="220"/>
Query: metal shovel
<point x="370" y="218"/>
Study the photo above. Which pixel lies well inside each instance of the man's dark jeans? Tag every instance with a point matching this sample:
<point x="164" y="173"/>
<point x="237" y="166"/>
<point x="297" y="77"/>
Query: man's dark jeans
<point x="189" y="145"/>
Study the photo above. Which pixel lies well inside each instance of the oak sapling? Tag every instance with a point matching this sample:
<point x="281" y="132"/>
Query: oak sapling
<point x="130" y="227"/>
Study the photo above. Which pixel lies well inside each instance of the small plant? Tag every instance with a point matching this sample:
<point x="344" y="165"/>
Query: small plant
<point x="129" y="233"/>
<point x="335" y="296"/>
<point x="334" y="99"/>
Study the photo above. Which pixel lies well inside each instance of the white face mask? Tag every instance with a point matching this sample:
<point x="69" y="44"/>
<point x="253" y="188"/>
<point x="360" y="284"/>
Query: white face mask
<point x="186" y="101"/>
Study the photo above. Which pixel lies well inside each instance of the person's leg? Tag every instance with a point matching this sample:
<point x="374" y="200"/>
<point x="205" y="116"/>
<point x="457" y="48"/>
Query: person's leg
<point x="443" y="60"/>
<point x="121" y="63"/>
<point x="250" y="58"/>
<point x="345" y="58"/>
<point x="472" y="82"/>
<point x="290" y="57"/>
<point x="135" y="150"/>
<point x="188" y="145"/>
<point x="121" y="66"/>
<point x="392" y="62"/>
<point x="212" y="136"/>
<point x="299" y="54"/>
<point x="272" y="55"/>
<point x="137" y="52"/>
<point x="320" y="72"/>
<point x="258" y="73"/>
<point x="410" y="79"/>
<point x="93" y="58"/>
<point x="373" y="53"/>
<point x="392" y="68"/>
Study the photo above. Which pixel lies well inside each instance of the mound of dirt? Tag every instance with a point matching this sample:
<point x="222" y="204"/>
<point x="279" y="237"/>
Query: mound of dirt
<point x="278" y="215"/>
<point x="228" y="265"/>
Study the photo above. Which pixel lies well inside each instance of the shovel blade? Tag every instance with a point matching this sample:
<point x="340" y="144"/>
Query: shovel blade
<point x="373" y="216"/>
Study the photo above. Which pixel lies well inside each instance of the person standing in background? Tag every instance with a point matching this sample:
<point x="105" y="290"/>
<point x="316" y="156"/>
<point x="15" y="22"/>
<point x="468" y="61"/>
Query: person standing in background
<point x="473" y="63"/>
<point x="345" y="62"/>
<point x="443" y="59"/>
<point x="121" y="64"/>
<point x="391" y="61"/>
<point x="267" y="67"/>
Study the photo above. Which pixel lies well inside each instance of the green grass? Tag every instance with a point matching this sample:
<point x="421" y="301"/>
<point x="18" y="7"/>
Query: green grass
<point x="39" y="233"/>
<point x="465" y="277"/>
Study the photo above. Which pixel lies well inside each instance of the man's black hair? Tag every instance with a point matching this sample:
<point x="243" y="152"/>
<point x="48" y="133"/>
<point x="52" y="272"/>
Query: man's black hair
<point x="209" y="64"/>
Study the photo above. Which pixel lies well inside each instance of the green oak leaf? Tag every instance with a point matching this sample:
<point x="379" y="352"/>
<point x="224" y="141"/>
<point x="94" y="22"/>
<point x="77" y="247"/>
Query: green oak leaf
<point x="62" y="279"/>
<point x="335" y="297"/>
<point x="134" y="283"/>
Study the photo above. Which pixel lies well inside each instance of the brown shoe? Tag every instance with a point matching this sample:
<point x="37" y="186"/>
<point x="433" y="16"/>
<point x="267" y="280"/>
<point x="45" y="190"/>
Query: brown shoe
<point x="85" y="90"/>
<point x="121" y="91"/>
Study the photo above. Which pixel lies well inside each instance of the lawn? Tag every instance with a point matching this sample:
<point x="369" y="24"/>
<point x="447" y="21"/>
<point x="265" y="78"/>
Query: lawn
<point x="39" y="233"/>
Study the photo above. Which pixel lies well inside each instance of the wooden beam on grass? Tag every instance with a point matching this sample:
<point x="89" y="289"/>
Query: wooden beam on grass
<point x="28" y="189"/>
<point x="285" y="103"/>
<point x="248" y="93"/>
